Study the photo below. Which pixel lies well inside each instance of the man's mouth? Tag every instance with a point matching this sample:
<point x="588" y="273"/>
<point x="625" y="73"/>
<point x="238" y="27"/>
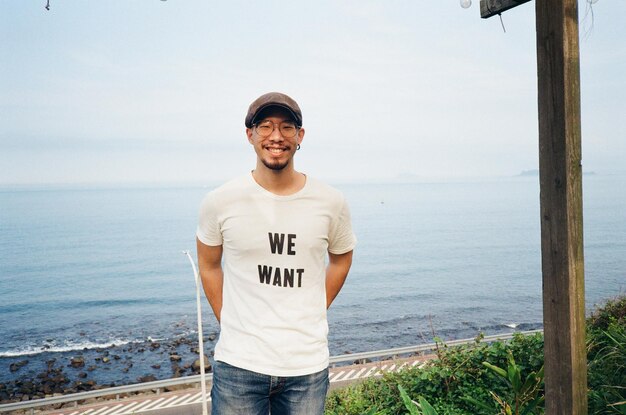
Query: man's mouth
<point x="277" y="151"/>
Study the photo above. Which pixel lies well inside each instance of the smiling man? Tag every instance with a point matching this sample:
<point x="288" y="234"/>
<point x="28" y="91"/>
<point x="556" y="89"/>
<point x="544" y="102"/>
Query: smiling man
<point x="274" y="249"/>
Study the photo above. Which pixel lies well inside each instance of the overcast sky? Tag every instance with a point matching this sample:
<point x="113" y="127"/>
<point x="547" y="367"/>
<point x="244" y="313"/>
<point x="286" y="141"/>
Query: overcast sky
<point x="157" y="91"/>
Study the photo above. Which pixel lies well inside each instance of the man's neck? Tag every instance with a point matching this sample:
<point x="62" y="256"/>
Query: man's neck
<point x="280" y="182"/>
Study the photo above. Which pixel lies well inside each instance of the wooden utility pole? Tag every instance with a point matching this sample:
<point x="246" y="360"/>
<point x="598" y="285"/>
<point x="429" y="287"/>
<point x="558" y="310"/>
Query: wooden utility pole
<point x="560" y="176"/>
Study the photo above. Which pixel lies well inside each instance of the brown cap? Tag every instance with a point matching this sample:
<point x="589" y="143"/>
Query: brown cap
<point x="273" y="99"/>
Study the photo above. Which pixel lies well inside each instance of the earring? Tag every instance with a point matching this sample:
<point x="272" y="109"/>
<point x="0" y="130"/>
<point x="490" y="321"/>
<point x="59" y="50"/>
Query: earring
<point x="298" y="147"/>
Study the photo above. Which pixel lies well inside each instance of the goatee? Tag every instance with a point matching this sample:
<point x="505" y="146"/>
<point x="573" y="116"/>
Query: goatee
<point x="275" y="166"/>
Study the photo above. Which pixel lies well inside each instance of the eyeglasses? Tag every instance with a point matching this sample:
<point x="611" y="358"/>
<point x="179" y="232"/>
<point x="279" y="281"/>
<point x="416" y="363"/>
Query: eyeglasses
<point x="287" y="129"/>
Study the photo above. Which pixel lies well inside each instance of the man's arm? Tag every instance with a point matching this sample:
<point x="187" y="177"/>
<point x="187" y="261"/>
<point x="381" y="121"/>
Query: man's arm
<point x="336" y="273"/>
<point x="210" y="265"/>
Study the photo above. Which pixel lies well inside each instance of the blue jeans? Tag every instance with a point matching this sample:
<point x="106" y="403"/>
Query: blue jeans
<point x="238" y="391"/>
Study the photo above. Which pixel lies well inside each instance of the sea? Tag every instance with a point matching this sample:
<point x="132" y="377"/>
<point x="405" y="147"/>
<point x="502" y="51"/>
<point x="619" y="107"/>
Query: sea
<point x="87" y="270"/>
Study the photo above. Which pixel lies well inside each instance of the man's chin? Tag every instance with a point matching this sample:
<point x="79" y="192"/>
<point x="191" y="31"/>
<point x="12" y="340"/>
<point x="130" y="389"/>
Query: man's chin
<point x="276" y="166"/>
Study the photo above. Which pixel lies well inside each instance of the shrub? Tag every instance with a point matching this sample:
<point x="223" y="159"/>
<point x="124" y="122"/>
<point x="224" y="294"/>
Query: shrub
<point x="459" y="372"/>
<point x="455" y="373"/>
<point x="606" y="356"/>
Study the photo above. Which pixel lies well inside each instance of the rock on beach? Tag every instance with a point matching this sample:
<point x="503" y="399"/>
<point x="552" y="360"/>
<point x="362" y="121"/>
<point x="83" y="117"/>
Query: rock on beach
<point x="14" y="367"/>
<point x="92" y="369"/>
<point x="77" y="362"/>
<point x="196" y="365"/>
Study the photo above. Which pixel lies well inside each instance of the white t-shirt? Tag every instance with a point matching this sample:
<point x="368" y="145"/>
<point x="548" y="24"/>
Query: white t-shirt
<point x="273" y="318"/>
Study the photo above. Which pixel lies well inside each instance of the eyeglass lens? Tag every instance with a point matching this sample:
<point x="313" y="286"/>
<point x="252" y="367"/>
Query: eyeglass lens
<point x="287" y="128"/>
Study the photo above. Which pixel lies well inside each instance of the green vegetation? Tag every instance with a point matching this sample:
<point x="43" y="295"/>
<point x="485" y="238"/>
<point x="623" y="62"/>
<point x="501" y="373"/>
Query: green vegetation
<point x="606" y="356"/>
<point x="446" y="383"/>
<point x="497" y="378"/>
<point x="526" y="396"/>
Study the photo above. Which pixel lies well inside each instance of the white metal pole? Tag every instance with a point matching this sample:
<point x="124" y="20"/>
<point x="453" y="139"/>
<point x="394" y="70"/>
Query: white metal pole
<point x="200" y="335"/>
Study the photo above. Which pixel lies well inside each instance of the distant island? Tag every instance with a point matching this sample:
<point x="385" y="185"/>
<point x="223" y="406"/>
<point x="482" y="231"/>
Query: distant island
<point x="535" y="172"/>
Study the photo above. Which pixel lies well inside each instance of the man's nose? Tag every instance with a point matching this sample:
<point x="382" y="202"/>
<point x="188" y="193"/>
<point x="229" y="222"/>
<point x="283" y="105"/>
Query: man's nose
<point x="276" y="135"/>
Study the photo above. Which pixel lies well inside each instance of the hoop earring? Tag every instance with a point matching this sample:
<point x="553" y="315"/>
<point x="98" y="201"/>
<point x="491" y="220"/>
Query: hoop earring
<point x="298" y="147"/>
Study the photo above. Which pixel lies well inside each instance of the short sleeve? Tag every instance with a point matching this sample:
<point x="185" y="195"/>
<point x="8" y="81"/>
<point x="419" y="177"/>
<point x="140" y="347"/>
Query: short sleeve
<point x="209" y="229"/>
<point x="341" y="238"/>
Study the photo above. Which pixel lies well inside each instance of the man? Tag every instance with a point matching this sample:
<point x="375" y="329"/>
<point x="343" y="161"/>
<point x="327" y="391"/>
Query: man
<point x="263" y="240"/>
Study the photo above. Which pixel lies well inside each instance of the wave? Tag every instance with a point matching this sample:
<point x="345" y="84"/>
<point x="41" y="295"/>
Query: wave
<point x="442" y="326"/>
<point x="54" y="346"/>
<point x="66" y="346"/>
<point x="383" y="322"/>
<point x="73" y="305"/>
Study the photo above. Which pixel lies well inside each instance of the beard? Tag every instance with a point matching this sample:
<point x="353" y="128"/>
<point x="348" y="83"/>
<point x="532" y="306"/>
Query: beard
<point x="276" y="166"/>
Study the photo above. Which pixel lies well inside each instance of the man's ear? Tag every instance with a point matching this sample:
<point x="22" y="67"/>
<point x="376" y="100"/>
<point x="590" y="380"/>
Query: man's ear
<point x="249" y="135"/>
<point x="300" y="135"/>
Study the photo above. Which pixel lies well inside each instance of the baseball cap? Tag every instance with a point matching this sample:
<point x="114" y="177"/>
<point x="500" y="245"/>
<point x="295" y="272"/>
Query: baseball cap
<point x="273" y="99"/>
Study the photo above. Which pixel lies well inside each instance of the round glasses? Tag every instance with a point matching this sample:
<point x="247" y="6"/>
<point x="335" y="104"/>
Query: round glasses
<point x="288" y="129"/>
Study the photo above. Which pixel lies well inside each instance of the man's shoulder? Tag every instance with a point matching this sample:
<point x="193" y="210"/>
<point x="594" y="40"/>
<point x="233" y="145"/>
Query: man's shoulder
<point x="229" y="191"/>
<point x="232" y="186"/>
<point x="324" y="189"/>
<point x="320" y="185"/>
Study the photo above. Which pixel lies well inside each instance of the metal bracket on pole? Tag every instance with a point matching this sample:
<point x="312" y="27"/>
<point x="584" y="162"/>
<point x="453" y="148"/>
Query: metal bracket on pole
<point x="489" y="8"/>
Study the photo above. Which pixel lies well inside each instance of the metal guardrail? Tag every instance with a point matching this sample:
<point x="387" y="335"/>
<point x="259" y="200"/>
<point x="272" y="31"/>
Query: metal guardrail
<point x="99" y="393"/>
<point x="421" y="348"/>
<point x="158" y="385"/>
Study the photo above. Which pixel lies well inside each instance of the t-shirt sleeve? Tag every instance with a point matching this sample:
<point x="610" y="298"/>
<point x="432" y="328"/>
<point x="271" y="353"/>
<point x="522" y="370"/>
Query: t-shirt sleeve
<point x="209" y="229"/>
<point x="342" y="239"/>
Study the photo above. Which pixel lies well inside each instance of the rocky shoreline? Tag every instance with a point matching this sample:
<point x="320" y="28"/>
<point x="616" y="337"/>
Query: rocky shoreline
<point x="39" y="376"/>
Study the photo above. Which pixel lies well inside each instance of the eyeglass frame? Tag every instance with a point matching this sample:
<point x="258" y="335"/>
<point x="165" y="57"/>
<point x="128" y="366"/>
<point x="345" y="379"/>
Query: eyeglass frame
<point x="274" y="125"/>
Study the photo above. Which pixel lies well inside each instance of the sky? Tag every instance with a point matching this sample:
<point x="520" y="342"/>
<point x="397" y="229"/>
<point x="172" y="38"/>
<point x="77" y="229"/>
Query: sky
<point x="153" y="91"/>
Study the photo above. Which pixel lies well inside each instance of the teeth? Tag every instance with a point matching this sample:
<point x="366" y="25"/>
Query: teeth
<point x="276" y="150"/>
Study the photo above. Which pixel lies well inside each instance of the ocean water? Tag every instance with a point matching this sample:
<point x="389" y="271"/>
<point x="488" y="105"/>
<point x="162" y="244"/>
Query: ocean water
<point x="84" y="270"/>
